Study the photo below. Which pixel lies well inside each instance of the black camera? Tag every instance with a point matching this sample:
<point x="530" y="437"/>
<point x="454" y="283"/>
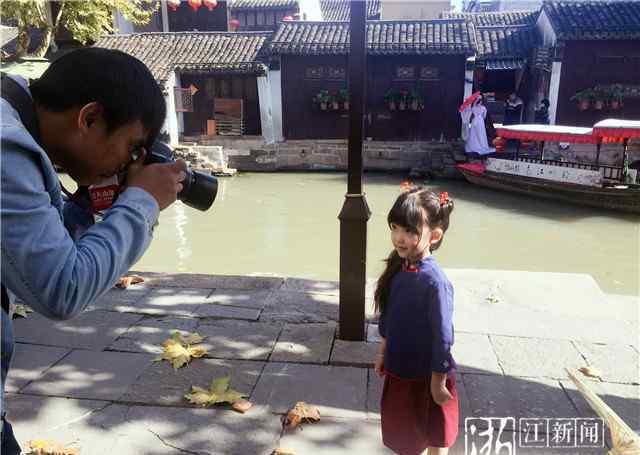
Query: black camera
<point x="199" y="190"/>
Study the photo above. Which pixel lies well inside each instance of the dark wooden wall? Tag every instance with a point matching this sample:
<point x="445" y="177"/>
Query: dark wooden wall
<point x="589" y="63"/>
<point x="210" y="87"/>
<point x="184" y="19"/>
<point x="442" y="95"/>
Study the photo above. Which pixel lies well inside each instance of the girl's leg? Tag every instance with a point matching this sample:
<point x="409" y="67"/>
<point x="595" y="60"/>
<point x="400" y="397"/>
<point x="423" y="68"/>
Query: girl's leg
<point x="437" y="451"/>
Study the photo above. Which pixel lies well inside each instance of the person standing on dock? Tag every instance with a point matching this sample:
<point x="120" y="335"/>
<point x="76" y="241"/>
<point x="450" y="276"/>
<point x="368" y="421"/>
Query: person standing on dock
<point x="474" y="130"/>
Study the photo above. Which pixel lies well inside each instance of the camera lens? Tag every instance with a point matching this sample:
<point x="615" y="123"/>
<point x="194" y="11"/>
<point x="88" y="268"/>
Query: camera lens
<point x="198" y="190"/>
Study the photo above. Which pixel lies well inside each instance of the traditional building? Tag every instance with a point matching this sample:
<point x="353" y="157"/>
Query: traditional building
<point x="254" y="15"/>
<point x="415" y="82"/>
<point x="596" y="60"/>
<point x="210" y="80"/>
<point x="340" y="10"/>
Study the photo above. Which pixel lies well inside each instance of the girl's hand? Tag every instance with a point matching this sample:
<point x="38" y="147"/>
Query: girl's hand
<point x="439" y="391"/>
<point x="379" y="365"/>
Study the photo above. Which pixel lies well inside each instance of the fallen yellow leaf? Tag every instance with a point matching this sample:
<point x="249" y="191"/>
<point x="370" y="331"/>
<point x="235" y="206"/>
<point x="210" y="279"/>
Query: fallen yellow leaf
<point x="48" y="447"/>
<point x="301" y="412"/>
<point x="219" y="392"/>
<point x="179" y="351"/>
<point x="21" y="310"/>
<point x="283" y="451"/>
<point x="590" y="372"/>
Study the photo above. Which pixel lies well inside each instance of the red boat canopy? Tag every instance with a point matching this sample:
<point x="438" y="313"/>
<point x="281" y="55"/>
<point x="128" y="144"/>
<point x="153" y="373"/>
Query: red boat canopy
<point x="606" y="129"/>
<point x="617" y="128"/>
<point x="555" y="133"/>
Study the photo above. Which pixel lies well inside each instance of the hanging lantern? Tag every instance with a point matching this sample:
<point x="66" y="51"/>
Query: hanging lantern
<point x="234" y="24"/>
<point x="210" y="4"/>
<point x="173" y="4"/>
<point x="195" y="4"/>
<point x="287" y="18"/>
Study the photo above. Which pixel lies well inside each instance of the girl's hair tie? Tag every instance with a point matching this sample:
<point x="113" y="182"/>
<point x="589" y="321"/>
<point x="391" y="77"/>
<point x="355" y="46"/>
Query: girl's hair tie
<point x="444" y="198"/>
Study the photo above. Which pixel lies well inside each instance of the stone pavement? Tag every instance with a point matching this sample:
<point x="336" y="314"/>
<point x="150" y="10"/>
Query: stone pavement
<point x="91" y="383"/>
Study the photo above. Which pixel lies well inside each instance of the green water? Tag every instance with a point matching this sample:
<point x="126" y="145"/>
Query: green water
<point x="286" y="224"/>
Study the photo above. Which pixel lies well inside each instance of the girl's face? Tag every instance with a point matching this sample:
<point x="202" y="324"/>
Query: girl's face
<point x="411" y="245"/>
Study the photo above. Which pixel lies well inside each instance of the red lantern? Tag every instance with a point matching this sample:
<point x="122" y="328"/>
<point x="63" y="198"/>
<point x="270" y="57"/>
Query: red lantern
<point x="210" y="4"/>
<point x="234" y="24"/>
<point x="173" y="4"/>
<point x="195" y="4"/>
<point x="287" y="18"/>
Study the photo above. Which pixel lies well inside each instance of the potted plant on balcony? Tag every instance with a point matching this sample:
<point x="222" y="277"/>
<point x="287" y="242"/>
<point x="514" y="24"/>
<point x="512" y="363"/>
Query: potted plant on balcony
<point x="343" y="96"/>
<point x="391" y="98"/>
<point x="322" y="99"/>
<point x="584" y="99"/>
<point x="617" y="95"/>
<point x="600" y="98"/>
<point x="333" y="100"/>
<point x="415" y="101"/>
<point x="403" y="99"/>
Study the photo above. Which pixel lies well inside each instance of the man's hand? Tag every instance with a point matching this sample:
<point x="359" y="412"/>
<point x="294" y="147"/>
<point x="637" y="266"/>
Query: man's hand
<point x="439" y="391"/>
<point x="162" y="181"/>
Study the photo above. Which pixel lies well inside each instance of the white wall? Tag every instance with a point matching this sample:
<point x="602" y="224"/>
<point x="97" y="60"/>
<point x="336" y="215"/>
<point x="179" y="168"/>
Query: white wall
<point x="275" y="81"/>
<point x="264" y="101"/>
<point x="413" y="9"/>
<point x="180" y="116"/>
<point x="546" y="30"/>
<point x="554" y="88"/>
<point x="171" y="121"/>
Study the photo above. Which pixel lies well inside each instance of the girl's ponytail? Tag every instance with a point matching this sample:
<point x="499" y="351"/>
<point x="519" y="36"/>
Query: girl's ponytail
<point x="381" y="295"/>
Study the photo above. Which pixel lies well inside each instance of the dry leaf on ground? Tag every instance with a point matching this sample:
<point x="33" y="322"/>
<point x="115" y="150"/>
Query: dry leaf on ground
<point x="48" y="447"/>
<point x="219" y="392"/>
<point x="127" y="280"/>
<point x="590" y="372"/>
<point x="283" y="451"/>
<point x="21" y="310"/>
<point x="179" y="350"/>
<point x="301" y="412"/>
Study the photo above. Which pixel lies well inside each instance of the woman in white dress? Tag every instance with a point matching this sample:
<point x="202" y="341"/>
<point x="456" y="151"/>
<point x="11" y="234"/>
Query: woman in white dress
<point x="474" y="132"/>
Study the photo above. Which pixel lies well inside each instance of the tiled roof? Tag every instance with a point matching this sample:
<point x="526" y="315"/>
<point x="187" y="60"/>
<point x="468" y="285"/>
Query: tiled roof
<point x="263" y="4"/>
<point x="383" y="37"/>
<point x="221" y="52"/>
<point x="594" y="20"/>
<point x="505" y="64"/>
<point x="340" y="10"/>
<point x="496" y="18"/>
<point x="500" y="42"/>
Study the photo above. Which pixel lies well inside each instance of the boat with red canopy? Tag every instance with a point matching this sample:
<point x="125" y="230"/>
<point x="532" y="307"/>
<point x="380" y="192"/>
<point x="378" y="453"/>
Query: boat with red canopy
<point x="592" y="184"/>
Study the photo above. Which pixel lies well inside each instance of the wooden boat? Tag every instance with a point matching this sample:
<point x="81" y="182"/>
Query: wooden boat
<point x="595" y="185"/>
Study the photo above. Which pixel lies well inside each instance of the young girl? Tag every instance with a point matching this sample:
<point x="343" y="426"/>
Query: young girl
<point x="419" y="404"/>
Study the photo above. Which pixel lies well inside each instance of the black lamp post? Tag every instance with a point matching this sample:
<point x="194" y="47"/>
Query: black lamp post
<point x="355" y="212"/>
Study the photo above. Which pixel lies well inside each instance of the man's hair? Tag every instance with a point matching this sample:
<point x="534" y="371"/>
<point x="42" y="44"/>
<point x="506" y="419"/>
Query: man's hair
<point x="120" y="83"/>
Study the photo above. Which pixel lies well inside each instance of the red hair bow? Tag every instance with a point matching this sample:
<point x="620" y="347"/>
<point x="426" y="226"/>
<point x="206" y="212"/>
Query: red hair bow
<point x="444" y="198"/>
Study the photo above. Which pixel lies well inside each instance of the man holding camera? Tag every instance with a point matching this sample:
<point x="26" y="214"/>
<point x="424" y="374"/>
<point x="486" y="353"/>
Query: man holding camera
<point x="93" y="112"/>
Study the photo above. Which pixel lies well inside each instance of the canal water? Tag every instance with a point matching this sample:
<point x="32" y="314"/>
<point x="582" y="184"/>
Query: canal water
<point x="286" y="224"/>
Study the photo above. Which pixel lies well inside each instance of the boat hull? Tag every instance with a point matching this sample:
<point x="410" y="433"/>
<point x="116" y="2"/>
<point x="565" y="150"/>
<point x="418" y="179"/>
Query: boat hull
<point x="620" y="199"/>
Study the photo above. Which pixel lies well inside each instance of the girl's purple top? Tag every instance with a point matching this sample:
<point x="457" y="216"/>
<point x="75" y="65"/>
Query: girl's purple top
<point x="417" y="322"/>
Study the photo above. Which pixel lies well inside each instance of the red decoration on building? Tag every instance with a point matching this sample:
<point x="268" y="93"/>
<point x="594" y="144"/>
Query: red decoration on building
<point x="210" y="4"/>
<point x="195" y="4"/>
<point x="173" y="4"/>
<point x="287" y="18"/>
<point x="234" y="24"/>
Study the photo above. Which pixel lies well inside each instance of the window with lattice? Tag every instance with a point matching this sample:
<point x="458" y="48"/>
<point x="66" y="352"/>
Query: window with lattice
<point x="405" y="72"/>
<point x="184" y="99"/>
<point x="336" y="72"/>
<point x="429" y="73"/>
<point x="314" y="72"/>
